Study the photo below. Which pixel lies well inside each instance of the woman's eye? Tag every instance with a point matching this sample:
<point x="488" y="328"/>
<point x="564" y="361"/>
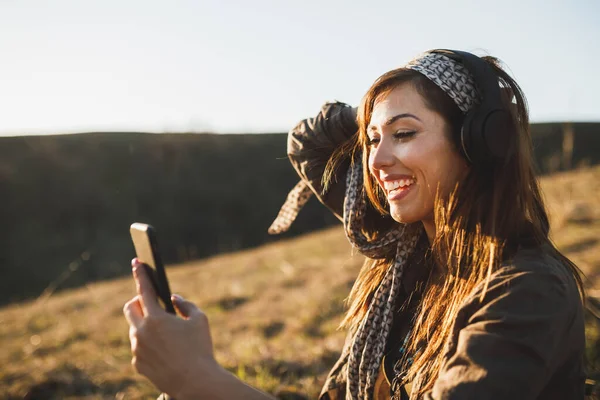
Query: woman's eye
<point x="403" y="134"/>
<point x="400" y="135"/>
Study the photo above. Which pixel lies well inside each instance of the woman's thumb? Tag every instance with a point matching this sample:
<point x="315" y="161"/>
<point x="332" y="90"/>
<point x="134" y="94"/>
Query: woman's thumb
<point x="185" y="308"/>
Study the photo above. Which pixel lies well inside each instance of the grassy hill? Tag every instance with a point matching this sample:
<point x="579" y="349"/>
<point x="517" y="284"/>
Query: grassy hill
<point x="68" y="200"/>
<point x="273" y="311"/>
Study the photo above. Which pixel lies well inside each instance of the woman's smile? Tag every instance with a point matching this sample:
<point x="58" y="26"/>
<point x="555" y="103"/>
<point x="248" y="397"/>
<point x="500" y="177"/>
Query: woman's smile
<point x="397" y="187"/>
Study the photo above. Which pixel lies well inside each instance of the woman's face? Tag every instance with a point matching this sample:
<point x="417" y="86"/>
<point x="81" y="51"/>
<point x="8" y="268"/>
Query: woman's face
<point x="410" y="155"/>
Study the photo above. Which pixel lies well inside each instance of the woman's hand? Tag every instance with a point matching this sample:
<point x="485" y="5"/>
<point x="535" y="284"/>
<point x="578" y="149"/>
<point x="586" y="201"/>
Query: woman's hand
<point x="175" y="354"/>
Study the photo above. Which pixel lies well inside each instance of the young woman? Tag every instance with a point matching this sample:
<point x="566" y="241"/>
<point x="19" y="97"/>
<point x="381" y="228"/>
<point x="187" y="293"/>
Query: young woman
<point x="462" y="295"/>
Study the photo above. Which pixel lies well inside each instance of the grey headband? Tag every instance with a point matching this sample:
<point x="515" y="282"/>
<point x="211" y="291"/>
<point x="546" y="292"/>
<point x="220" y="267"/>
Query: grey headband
<point x="450" y="76"/>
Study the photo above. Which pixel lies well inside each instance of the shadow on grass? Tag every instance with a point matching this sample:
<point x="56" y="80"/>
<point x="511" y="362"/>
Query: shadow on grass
<point x="333" y="309"/>
<point x="285" y="374"/>
<point x="289" y="370"/>
<point x="230" y="303"/>
<point x="70" y="381"/>
<point x="273" y="329"/>
<point x="580" y="246"/>
<point x="61" y="346"/>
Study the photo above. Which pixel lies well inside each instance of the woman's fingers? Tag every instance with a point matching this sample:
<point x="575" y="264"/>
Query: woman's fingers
<point x="145" y="290"/>
<point x="133" y="312"/>
<point x="167" y="349"/>
<point x="187" y="309"/>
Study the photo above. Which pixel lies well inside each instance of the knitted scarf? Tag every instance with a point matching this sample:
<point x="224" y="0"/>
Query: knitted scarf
<point x="367" y="347"/>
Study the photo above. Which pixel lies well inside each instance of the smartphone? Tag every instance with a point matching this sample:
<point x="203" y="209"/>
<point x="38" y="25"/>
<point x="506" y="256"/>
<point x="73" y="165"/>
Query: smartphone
<point x="146" y="249"/>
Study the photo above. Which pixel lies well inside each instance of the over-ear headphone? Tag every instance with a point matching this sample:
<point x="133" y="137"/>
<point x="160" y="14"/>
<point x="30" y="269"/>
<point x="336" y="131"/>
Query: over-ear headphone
<point x="486" y="131"/>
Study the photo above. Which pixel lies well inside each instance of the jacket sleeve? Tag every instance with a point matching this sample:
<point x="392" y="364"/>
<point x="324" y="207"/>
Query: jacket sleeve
<point x="509" y="345"/>
<point x="311" y="144"/>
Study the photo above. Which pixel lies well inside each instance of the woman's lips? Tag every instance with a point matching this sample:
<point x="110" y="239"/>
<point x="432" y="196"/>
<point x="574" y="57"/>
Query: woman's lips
<point x="398" y="186"/>
<point x="400" y="192"/>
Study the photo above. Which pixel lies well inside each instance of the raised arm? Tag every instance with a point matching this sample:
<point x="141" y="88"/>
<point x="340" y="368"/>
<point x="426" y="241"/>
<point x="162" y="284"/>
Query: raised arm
<point x="311" y="144"/>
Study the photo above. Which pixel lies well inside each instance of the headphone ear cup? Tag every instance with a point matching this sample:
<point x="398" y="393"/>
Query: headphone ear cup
<point x="487" y="136"/>
<point x="499" y="134"/>
<point x="465" y="139"/>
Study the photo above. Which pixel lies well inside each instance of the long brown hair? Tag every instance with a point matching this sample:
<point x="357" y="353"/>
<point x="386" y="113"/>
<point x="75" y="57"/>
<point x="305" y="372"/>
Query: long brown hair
<point x="478" y="225"/>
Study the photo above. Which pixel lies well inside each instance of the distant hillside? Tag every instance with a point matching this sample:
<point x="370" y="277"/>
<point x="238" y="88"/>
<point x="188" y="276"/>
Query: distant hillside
<point x="68" y="200"/>
<point x="557" y="150"/>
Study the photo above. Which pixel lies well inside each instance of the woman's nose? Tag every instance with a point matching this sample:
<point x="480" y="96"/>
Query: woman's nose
<point x="381" y="156"/>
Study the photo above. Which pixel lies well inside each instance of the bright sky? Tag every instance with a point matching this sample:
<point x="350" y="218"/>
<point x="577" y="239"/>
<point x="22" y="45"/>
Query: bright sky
<point x="261" y="66"/>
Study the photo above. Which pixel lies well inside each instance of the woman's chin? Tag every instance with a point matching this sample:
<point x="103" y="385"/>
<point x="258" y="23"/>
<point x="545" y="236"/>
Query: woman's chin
<point x="403" y="217"/>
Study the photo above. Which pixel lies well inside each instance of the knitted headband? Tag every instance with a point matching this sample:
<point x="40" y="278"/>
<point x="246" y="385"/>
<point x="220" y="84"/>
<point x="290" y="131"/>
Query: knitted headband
<point x="450" y="76"/>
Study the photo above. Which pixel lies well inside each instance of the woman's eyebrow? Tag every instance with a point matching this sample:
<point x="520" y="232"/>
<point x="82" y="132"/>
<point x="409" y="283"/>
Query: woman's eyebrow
<point x="395" y="118"/>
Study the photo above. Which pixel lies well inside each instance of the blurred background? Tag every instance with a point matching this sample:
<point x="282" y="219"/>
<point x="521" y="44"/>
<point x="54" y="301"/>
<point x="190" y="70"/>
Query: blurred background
<point x="175" y="113"/>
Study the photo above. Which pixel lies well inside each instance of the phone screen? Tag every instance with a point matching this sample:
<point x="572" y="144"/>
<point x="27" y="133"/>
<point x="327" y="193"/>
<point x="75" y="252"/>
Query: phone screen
<point x="146" y="249"/>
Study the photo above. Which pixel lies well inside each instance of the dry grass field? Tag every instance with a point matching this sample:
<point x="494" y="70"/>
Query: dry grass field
<point x="273" y="312"/>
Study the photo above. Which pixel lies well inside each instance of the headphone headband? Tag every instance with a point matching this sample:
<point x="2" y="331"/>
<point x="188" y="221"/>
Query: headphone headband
<point x="483" y="74"/>
<point x="486" y="132"/>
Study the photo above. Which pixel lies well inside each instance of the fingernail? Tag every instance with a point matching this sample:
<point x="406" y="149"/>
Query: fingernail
<point x="176" y="297"/>
<point x="134" y="262"/>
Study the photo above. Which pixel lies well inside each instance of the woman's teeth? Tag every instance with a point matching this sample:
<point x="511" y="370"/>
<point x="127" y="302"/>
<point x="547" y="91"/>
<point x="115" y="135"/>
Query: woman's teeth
<point x="393" y="185"/>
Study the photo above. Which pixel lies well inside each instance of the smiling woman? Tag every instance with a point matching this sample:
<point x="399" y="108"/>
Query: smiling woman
<point x="462" y="294"/>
